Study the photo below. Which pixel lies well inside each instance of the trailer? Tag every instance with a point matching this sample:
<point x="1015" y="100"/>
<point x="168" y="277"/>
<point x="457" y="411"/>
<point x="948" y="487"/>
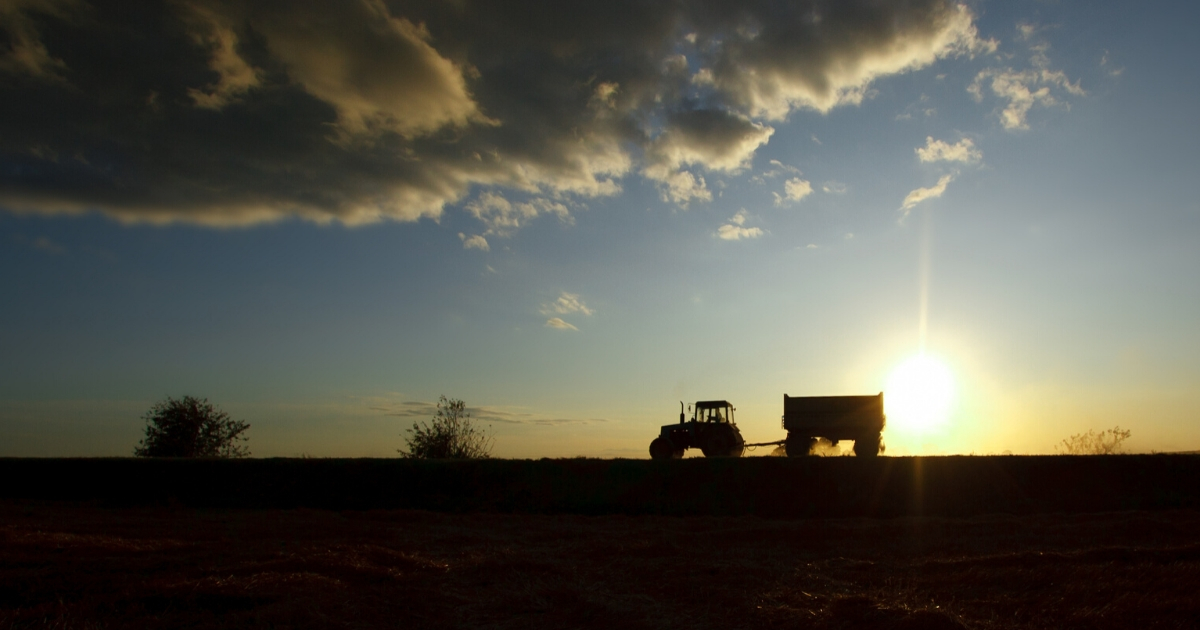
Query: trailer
<point x="835" y="418"/>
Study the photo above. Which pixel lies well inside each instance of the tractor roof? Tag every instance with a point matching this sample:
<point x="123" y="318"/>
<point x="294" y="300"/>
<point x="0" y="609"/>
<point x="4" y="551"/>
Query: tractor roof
<point x="712" y="404"/>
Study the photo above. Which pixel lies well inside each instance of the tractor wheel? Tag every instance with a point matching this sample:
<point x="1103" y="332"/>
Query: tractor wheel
<point x="722" y="445"/>
<point x="662" y="448"/>
<point x="800" y="447"/>
<point x="868" y="446"/>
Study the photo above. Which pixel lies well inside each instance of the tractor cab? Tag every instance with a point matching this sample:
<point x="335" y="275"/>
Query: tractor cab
<point x="713" y="411"/>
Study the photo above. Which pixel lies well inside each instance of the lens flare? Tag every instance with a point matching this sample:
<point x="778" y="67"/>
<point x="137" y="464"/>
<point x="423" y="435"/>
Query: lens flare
<point x="918" y="395"/>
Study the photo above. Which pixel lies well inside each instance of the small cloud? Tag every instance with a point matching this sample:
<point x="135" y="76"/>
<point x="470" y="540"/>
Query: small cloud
<point x="474" y="242"/>
<point x="49" y="246"/>
<point x="1108" y="67"/>
<point x="557" y="322"/>
<point x="816" y="139"/>
<point x="794" y="189"/>
<point x="812" y="246"/>
<point x="833" y="188"/>
<point x="940" y="151"/>
<point x="777" y="168"/>
<point x="848" y="235"/>
<point x="735" y="230"/>
<point x="1023" y="89"/>
<point x="921" y="194"/>
<point x="503" y="217"/>
<point x="566" y="304"/>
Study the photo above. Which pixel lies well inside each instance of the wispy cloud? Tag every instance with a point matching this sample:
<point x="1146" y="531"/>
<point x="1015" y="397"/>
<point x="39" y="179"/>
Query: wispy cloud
<point x="1021" y="90"/>
<point x="49" y="246"/>
<point x="922" y="195"/>
<point x="475" y="241"/>
<point x="941" y="151"/>
<point x="736" y="229"/>
<point x="832" y="187"/>
<point x="557" y="322"/>
<point x="566" y="304"/>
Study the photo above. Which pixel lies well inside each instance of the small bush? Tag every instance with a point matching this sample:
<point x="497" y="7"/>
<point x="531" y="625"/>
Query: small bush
<point x="191" y="427"/>
<point x="1092" y="443"/>
<point x="451" y="435"/>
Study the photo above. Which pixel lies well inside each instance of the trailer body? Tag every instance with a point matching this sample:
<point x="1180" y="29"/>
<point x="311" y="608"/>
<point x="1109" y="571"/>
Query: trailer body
<point x="835" y="418"/>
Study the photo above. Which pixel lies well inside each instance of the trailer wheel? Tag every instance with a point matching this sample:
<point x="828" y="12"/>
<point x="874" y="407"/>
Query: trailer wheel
<point x="799" y="446"/>
<point x="868" y="446"/>
<point x="662" y="448"/>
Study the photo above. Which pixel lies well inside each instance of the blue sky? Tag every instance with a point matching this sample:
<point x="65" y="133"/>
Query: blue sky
<point x="324" y="218"/>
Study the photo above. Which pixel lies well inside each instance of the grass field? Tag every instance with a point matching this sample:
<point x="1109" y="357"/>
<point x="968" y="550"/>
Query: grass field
<point x="92" y="564"/>
<point x="70" y="566"/>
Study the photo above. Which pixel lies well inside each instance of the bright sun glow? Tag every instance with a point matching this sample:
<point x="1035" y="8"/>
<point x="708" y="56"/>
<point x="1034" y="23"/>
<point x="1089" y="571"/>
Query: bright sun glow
<point x="918" y="395"/>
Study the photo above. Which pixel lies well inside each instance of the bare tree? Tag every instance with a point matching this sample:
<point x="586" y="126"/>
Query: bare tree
<point x="1091" y="443"/>
<point x="191" y="427"/>
<point x="450" y="435"/>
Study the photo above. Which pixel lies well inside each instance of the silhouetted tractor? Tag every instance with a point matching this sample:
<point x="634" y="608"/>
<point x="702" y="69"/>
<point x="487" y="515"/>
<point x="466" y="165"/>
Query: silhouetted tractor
<point x="711" y="429"/>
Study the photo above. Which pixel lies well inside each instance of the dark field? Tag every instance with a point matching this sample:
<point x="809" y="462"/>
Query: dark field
<point x="133" y="560"/>
<point x="87" y="567"/>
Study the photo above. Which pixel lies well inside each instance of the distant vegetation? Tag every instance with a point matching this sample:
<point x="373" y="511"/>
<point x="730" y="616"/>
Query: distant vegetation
<point x="450" y="435"/>
<point x="191" y="427"/>
<point x="1092" y="443"/>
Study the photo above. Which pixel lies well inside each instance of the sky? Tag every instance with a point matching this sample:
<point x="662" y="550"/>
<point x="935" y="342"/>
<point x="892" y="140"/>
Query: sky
<point x="573" y="216"/>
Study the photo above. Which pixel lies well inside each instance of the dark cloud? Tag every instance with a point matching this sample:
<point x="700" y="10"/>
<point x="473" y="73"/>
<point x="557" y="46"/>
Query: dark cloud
<point x="224" y="112"/>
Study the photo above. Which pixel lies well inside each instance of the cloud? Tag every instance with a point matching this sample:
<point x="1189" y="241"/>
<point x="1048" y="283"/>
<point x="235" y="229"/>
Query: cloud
<point x="566" y="304"/>
<point x="777" y="168"/>
<point x="712" y="139"/>
<point x="921" y="194"/>
<point x="49" y="246"/>
<point x="794" y="189"/>
<point x="557" y="322"/>
<point x="236" y="113"/>
<point x="735" y="230"/>
<point x="819" y="56"/>
<point x="940" y="151"/>
<point x="27" y="54"/>
<point x="1021" y="90"/>
<point x="832" y="187"/>
<point x="475" y="241"/>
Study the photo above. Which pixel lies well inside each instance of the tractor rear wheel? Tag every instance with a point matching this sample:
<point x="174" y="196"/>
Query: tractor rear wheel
<point x="662" y="448"/>
<point x="723" y="444"/>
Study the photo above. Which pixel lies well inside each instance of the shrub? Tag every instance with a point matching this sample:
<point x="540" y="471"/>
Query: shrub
<point x="191" y="427"/>
<point x="1092" y="443"/>
<point x="450" y="435"/>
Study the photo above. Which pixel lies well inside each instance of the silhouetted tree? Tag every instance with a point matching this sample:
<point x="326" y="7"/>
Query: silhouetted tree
<point x="451" y="435"/>
<point x="1092" y="443"/>
<point x="189" y="427"/>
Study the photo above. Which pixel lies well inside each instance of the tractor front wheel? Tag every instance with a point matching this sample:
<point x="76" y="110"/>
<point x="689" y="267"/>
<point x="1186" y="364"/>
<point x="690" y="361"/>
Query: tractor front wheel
<point x="662" y="448"/>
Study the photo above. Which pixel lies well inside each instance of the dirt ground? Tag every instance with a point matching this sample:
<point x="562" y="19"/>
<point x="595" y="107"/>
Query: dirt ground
<point x="72" y="566"/>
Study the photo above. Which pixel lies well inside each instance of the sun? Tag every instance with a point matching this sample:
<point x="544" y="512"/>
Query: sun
<point x="918" y="395"/>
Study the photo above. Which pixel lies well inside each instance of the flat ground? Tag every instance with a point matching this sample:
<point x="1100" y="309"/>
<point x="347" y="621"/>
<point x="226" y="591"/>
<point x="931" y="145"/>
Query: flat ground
<point x="78" y="566"/>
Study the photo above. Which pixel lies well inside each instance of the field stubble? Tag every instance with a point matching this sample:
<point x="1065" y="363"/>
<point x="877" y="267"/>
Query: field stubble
<point x="66" y="565"/>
